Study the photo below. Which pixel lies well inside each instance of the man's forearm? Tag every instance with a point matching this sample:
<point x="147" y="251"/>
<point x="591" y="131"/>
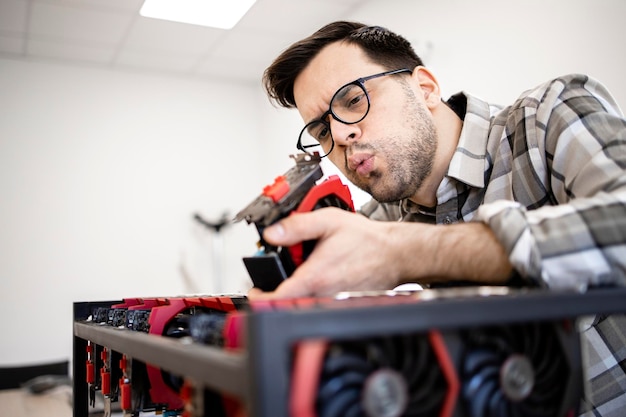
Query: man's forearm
<point x="462" y="252"/>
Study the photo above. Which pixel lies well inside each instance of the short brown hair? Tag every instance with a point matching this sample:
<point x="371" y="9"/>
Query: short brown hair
<point x="382" y="46"/>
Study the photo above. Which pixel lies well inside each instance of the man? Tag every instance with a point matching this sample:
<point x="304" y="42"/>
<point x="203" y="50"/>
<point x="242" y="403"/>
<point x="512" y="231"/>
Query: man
<point x="531" y="194"/>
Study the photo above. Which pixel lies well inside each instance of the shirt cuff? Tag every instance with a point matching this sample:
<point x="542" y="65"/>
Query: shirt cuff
<point x="508" y="222"/>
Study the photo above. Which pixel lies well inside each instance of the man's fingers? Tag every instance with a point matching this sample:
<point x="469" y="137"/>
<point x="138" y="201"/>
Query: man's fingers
<point x="290" y="288"/>
<point x="308" y="279"/>
<point x="296" y="228"/>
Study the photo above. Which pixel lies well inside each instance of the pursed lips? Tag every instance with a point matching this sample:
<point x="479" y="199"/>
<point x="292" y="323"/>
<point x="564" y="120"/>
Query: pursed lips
<point x="361" y="163"/>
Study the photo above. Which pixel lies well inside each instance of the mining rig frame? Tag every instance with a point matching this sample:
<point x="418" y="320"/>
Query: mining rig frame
<point x="260" y="373"/>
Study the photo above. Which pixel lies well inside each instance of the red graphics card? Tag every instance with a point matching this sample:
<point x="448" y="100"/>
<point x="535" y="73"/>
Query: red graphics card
<point x="145" y="387"/>
<point x="294" y="192"/>
<point x="456" y="352"/>
<point x="465" y="352"/>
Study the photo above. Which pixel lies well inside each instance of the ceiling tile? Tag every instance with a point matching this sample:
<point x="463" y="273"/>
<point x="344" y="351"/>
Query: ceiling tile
<point x="13" y="15"/>
<point x="162" y="35"/>
<point x="247" y="71"/>
<point x="104" y="5"/>
<point x="13" y="45"/>
<point x="272" y="16"/>
<point x="146" y="60"/>
<point x="71" y="23"/>
<point x="84" y="52"/>
<point x="248" y="46"/>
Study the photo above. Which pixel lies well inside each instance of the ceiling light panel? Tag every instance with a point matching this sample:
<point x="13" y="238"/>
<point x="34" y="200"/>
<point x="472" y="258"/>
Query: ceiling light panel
<point x="212" y="13"/>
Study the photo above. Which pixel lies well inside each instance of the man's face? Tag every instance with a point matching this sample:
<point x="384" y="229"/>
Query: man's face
<point x="391" y="151"/>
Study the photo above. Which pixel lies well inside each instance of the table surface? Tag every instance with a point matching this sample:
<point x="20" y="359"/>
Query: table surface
<point x="21" y="403"/>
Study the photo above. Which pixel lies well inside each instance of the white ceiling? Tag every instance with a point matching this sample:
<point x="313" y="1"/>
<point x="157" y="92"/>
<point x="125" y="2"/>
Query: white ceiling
<point x="112" y="34"/>
<point x="472" y="45"/>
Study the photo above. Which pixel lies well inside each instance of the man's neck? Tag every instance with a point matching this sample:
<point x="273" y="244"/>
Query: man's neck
<point x="448" y="125"/>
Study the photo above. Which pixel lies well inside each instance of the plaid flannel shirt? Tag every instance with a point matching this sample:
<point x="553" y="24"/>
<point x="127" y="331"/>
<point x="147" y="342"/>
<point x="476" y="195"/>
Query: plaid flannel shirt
<point x="548" y="175"/>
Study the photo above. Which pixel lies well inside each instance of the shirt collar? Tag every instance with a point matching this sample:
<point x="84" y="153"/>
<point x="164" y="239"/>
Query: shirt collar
<point x="468" y="162"/>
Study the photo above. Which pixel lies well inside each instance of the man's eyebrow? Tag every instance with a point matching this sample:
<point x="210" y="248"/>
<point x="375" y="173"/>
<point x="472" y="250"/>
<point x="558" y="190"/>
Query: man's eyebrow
<point x="320" y="118"/>
<point x="344" y="91"/>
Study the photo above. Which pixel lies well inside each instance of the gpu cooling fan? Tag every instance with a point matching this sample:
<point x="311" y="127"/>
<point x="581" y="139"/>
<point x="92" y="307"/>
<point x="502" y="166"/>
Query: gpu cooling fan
<point x="382" y="377"/>
<point x="515" y="371"/>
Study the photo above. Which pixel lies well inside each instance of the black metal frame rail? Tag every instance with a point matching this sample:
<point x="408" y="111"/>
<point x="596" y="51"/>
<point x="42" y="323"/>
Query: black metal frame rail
<point x="260" y="376"/>
<point x="189" y="359"/>
<point x="207" y="366"/>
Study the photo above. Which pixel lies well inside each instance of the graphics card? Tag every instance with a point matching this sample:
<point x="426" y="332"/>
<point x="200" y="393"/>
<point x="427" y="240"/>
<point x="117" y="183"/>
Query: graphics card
<point x="514" y="363"/>
<point x="294" y="192"/>
<point x="144" y="387"/>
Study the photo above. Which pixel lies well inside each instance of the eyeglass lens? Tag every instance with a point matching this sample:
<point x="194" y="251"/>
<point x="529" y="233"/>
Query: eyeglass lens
<point x="349" y="105"/>
<point x="315" y="137"/>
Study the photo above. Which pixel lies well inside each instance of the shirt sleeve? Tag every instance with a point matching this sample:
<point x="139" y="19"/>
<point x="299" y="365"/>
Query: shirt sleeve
<point x="573" y="137"/>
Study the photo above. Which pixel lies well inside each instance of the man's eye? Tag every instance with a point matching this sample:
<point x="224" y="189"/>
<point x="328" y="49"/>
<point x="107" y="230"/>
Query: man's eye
<point x="356" y="101"/>
<point x="319" y="132"/>
<point x="350" y="102"/>
<point x="322" y="134"/>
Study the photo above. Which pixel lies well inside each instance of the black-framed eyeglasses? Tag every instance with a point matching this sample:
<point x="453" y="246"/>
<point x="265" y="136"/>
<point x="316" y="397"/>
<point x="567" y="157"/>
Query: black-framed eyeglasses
<point x="349" y="105"/>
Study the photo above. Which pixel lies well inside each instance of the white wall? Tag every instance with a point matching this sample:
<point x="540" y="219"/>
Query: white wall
<point x="101" y="171"/>
<point x="496" y="49"/>
<point x="100" y="175"/>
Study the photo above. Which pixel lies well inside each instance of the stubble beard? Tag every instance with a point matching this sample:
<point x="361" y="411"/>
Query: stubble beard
<point x="409" y="162"/>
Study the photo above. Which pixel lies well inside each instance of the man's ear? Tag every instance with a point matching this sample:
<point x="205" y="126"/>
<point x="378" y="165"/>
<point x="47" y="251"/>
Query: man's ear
<point x="429" y="85"/>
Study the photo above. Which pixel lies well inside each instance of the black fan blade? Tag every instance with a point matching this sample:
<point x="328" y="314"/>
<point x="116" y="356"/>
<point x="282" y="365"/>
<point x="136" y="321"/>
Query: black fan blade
<point x="333" y="386"/>
<point x="349" y="366"/>
<point x="479" y="359"/>
<point x="488" y="351"/>
<point x="486" y="389"/>
<point x="498" y="405"/>
<point x="346" y="361"/>
<point x="341" y="403"/>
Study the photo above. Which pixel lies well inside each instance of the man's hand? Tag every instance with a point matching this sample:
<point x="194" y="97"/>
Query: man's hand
<point x="348" y="254"/>
<point x="353" y="253"/>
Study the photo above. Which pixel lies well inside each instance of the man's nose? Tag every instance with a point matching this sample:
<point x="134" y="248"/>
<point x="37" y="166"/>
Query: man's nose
<point x="343" y="133"/>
